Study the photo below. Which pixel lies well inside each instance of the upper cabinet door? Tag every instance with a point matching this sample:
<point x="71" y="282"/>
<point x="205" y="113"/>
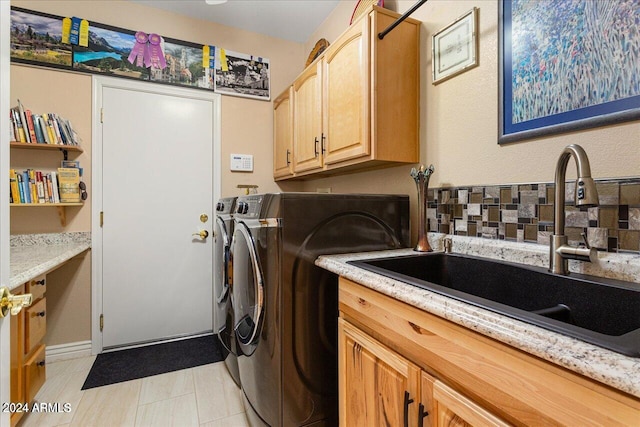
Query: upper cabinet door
<point x="283" y="135"/>
<point x="307" y="135"/>
<point x="347" y="115"/>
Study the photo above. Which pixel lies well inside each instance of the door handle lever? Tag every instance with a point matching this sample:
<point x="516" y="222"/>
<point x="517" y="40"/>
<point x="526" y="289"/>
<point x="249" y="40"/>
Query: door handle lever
<point x="203" y="234"/>
<point x="12" y="303"/>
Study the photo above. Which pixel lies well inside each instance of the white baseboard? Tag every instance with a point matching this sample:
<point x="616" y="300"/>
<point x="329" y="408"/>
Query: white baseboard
<point x="72" y="350"/>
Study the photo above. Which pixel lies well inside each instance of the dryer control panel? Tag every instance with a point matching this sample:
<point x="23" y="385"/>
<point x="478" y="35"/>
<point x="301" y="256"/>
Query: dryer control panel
<point x="249" y="206"/>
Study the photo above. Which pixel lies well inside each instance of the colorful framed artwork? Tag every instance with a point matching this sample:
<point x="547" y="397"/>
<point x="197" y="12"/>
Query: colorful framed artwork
<point x="566" y="65"/>
<point x="36" y="38"/>
<point x="455" y="47"/>
<point x="107" y="53"/>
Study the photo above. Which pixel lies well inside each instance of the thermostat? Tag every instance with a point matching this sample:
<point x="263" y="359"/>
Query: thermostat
<point x="242" y="163"/>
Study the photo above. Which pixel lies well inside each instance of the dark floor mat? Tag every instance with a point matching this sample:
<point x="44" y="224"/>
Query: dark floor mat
<point x="133" y="363"/>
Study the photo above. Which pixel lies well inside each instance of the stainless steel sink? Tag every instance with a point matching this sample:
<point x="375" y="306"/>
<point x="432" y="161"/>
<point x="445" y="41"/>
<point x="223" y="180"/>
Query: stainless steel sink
<point x="603" y="312"/>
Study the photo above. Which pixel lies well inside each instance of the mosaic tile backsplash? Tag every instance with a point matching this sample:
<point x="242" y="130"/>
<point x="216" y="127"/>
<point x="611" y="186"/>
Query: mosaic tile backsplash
<point x="524" y="213"/>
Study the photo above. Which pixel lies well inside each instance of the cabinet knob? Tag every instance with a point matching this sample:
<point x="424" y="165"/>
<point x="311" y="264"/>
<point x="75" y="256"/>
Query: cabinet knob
<point x="40" y="313"/>
<point x="40" y="282"/>
<point x="41" y="363"/>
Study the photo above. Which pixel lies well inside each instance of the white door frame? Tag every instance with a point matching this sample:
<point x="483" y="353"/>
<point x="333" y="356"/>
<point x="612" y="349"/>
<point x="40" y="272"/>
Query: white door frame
<point x="5" y="83"/>
<point x="98" y="83"/>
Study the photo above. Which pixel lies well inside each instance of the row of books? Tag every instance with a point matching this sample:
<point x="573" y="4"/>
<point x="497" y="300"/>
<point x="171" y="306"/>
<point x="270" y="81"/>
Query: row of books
<point x="48" y="128"/>
<point x="35" y="187"/>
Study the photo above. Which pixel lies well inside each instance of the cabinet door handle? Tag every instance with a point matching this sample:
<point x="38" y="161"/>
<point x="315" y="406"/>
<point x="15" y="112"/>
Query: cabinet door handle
<point x="288" y="154"/>
<point x="422" y="414"/>
<point x="407" y="402"/>
<point x="315" y="147"/>
<point x="324" y="138"/>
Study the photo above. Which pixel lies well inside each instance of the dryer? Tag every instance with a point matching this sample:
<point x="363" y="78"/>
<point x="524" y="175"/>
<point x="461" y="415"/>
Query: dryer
<point x="286" y="308"/>
<point x="222" y="310"/>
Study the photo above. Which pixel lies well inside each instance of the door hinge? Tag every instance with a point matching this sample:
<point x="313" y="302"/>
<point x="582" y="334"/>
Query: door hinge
<point x="101" y="115"/>
<point x="101" y="218"/>
<point x="101" y="322"/>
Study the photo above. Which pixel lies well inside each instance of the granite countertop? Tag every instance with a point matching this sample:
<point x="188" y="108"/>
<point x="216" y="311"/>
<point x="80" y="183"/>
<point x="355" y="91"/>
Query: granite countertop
<point x="608" y="367"/>
<point x="34" y="254"/>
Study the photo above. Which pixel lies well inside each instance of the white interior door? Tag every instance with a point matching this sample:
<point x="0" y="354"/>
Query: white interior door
<point x="157" y="181"/>
<point x="4" y="204"/>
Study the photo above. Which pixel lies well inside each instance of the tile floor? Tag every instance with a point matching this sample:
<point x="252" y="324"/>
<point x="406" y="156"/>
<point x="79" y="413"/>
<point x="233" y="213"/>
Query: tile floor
<point x="204" y="396"/>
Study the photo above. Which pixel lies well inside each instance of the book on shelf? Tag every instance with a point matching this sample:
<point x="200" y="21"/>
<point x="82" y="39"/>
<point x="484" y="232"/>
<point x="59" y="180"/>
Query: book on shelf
<point x="69" y="185"/>
<point x="23" y="119"/>
<point x="32" y="130"/>
<point x="46" y="128"/>
<point x="13" y="184"/>
<point x="37" y="126"/>
<point x="12" y="130"/>
<point x="17" y="124"/>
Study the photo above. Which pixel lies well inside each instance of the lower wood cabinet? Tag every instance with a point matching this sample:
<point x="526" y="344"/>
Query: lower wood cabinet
<point x="378" y="387"/>
<point x="28" y="328"/>
<point x="401" y="366"/>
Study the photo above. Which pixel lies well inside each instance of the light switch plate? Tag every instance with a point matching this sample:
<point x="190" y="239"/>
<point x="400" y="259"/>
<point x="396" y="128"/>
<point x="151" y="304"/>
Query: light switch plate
<point x="241" y="162"/>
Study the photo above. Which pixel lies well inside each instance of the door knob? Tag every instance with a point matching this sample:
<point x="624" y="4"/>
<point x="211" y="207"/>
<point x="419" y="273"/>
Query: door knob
<point x="203" y="234"/>
<point x="12" y="303"/>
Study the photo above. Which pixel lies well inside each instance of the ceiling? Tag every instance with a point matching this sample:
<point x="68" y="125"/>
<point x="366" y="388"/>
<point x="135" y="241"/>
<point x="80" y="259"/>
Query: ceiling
<point x="293" y="20"/>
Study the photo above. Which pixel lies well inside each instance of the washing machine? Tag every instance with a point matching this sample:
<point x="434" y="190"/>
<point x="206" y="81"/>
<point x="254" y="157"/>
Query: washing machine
<point x="222" y="310"/>
<point x="286" y="308"/>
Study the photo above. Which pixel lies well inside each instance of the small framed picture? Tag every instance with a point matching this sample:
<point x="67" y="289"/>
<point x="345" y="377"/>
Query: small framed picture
<point x="455" y="47"/>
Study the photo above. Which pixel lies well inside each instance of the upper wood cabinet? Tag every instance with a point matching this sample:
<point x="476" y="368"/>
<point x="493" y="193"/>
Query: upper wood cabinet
<point x="307" y="120"/>
<point x="357" y="105"/>
<point x="346" y="118"/>
<point x="283" y="135"/>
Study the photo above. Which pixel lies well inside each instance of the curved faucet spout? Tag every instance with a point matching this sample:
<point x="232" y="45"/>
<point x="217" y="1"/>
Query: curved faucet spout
<point x="585" y="195"/>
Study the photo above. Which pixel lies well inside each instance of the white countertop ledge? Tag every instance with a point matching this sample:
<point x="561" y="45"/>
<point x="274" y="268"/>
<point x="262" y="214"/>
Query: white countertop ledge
<point x="608" y="367"/>
<point x="35" y="254"/>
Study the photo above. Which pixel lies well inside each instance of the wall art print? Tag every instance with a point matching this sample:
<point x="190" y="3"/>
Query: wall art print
<point x="107" y="53"/>
<point x="36" y="39"/>
<point x="567" y="65"/>
<point x="243" y="75"/>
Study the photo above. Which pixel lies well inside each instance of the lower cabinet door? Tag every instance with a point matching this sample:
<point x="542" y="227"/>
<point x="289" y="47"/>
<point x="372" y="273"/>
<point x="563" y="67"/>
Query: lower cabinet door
<point x="452" y="409"/>
<point x="36" y="324"/>
<point x="35" y="373"/>
<point x="377" y="386"/>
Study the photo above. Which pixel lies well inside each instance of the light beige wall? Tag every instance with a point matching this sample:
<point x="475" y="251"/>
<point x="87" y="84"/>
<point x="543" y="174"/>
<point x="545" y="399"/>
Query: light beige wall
<point x="247" y="127"/>
<point x="459" y="119"/>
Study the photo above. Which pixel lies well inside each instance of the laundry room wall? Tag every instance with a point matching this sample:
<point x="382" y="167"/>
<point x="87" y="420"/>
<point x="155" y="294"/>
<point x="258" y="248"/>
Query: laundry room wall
<point x="247" y="128"/>
<point x="459" y="120"/>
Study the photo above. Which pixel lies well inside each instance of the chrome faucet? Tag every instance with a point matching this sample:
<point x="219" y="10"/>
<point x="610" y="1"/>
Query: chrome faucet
<point x="586" y="195"/>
